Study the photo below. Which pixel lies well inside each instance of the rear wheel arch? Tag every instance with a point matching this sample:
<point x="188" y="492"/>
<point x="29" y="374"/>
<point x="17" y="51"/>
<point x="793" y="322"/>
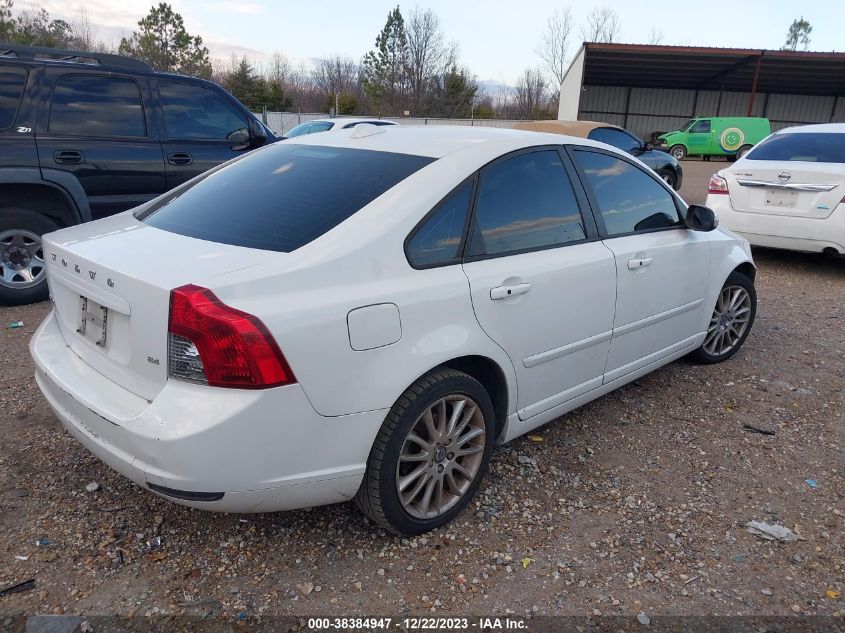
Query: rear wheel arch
<point x="41" y="198"/>
<point x="492" y="378"/>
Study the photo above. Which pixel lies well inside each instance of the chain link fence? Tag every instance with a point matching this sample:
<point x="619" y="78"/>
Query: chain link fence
<point x="281" y="122"/>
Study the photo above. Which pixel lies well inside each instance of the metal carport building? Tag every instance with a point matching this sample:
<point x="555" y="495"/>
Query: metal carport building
<point x="648" y="88"/>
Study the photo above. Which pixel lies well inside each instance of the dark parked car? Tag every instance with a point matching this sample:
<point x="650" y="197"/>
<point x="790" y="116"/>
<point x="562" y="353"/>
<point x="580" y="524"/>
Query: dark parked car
<point x="86" y="135"/>
<point x="666" y="166"/>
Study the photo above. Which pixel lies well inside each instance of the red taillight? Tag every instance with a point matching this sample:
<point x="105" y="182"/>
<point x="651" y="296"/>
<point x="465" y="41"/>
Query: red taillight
<point x="235" y="348"/>
<point x="717" y="184"/>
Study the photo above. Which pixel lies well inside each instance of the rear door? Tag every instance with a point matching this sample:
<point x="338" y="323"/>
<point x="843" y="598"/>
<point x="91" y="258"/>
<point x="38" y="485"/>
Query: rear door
<point x="661" y="266"/>
<point x="800" y="174"/>
<point x="543" y="286"/>
<point x="201" y="127"/>
<point x="98" y="129"/>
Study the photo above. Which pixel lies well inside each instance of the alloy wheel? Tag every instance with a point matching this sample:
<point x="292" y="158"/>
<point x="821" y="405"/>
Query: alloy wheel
<point x="440" y="456"/>
<point x="729" y="321"/>
<point x="21" y="259"/>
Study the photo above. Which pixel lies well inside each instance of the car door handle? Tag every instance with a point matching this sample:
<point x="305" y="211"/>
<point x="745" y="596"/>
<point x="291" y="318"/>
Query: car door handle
<point x="180" y="158"/>
<point x="636" y="264"/>
<point x="503" y="292"/>
<point x="68" y="157"/>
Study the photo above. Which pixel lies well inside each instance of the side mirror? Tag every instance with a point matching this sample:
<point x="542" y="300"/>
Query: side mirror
<point x="701" y="218"/>
<point x="647" y="147"/>
<point x="257" y="134"/>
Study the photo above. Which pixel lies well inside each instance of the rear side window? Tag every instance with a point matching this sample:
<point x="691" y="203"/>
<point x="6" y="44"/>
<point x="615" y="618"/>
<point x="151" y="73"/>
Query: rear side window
<point x="12" y="82"/>
<point x="525" y="202"/>
<point x="94" y="105"/>
<point x="630" y="201"/>
<point x="281" y="197"/>
<point x="438" y="240"/>
<point x="197" y="113"/>
<point x="814" y="147"/>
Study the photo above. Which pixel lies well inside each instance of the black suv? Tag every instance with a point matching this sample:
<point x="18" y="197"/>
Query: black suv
<point x="86" y="135"/>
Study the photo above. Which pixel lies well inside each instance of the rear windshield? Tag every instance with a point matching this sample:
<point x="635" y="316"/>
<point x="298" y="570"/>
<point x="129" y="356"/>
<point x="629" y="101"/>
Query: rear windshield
<point x="814" y="147"/>
<point x="281" y="197"/>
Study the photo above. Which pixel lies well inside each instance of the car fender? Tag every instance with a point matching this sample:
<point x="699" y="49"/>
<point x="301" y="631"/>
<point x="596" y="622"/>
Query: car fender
<point x="727" y="252"/>
<point x="65" y="184"/>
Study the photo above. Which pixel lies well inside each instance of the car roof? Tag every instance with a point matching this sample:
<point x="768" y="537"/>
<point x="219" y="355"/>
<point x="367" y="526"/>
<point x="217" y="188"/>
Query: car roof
<point x="348" y="120"/>
<point x="836" y="128"/>
<point x="579" y="129"/>
<point x="436" y="141"/>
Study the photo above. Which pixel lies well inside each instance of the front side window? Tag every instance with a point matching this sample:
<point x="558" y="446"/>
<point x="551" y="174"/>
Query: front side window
<point x="12" y="82"/>
<point x="629" y="199"/>
<point x="525" y="202"/>
<point x="309" y="127"/>
<point x="812" y="147"/>
<point x="95" y="105"/>
<point x="197" y="113"/>
<point x="617" y="138"/>
<point x="701" y="126"/>
<point x="281" y="197"/>
<point x="438" y="239"/>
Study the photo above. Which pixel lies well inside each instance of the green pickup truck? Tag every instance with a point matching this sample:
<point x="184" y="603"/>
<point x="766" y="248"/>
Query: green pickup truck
<point x="716" y="136"/>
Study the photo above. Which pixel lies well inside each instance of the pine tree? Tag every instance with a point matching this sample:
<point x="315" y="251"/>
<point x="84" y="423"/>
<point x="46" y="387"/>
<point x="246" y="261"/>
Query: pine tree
<point x="385" y="67"/>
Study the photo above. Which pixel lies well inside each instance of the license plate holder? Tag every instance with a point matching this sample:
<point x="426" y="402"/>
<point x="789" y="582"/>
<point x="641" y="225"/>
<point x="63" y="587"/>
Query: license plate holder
<point x="780" y="198"/>
<point x="93" y="321"/>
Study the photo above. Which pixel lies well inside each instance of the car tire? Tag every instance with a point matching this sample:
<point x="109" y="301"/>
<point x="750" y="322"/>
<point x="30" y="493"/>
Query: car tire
<point x="742" y="151"/>
<point x="730" y="322"/>
<point x="23" y="274"/>
<point x="669" y="178"/>
<point x="438" y="481"/>
<point x="679" y="152"/>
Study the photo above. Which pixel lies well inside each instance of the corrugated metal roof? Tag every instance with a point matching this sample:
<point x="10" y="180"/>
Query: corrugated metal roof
<point x="703" y="68"/>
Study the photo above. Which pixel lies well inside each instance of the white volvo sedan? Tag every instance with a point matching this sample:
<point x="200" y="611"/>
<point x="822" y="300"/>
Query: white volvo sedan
<point x="364" y="314"/>
<point x="788" y="191"/>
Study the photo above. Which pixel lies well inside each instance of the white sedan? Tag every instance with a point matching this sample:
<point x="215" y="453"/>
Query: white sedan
<point x="256" y="340"/>
<point x="788" y="191"/>
<point x="325" y="125"/>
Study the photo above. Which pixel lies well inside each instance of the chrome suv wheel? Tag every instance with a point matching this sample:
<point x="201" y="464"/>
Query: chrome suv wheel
<point x="23" y="273"/>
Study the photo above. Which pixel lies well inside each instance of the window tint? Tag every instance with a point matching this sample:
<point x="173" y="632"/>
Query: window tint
<point x="438" y="240"/>
<point x="701" y="126"/>
<point x="525" y="202"/>
<point x="12" y="82"/>
<point x="309" y="127"/>
<point x="821" y="147"/>
<point x="629" y="199"/>
<point x="617" y="138"/>
<point x="92" y="105"/>
<point x="197" y="113"/>
<point x="283" y="196"/>
<point x="320" y="126"/>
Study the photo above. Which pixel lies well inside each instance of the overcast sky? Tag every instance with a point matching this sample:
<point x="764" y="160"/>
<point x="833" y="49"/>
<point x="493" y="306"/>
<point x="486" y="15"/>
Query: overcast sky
<point x="497" y="38"/>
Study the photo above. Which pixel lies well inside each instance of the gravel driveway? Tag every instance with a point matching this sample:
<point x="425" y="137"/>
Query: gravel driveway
<point x="635" y="502"/>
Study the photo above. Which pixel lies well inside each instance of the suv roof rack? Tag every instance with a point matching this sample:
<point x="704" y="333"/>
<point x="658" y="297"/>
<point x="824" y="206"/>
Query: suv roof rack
<point x="57" y="55"/>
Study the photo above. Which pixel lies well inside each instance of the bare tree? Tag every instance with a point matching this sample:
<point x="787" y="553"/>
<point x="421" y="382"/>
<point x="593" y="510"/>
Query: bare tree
<point x="336" y="75"/>
<point x="430" y="55"/>
<point x="530" y="95"/>
<point x="278" y="69"/>
<point x="554" y="44"/>
<point x="602" y="26"/>
<point x="655" y="36"/>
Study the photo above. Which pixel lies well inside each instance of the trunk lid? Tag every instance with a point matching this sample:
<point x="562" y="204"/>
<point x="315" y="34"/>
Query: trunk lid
<point x="797" y="189"/>
<point x="115" y="276"/>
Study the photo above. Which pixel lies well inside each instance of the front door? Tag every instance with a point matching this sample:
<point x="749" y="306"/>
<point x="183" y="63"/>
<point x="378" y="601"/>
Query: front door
<point x="98" y="129"/>
<point x="661" y="266"/>
<point x="543" y="287"/>
<point x="700" y="136"/>
<point x="202" y="129"/>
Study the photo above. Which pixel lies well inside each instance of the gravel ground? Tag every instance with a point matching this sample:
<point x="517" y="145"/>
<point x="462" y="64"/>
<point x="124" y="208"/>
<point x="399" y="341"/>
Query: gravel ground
<point x="635" y="502"/>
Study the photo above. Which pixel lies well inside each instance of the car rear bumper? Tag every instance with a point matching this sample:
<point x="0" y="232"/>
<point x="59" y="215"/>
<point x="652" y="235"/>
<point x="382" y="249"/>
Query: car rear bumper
<point x="813" y="235"/>
<point x="226" y="450"/>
